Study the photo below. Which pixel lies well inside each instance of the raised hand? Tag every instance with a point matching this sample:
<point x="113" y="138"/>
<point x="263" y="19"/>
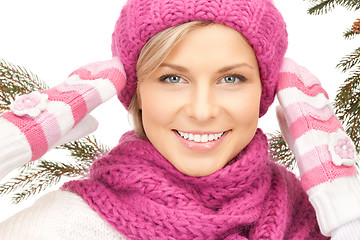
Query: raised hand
<point x="42" y="120"/>
<point x="324" y="153"/>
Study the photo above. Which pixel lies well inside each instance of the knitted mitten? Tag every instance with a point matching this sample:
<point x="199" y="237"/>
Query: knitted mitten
<point x="41" y="120"/>
<point x="324" y="153"/>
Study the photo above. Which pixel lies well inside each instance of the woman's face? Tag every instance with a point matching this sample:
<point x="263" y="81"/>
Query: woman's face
<point x="200" y="108"/>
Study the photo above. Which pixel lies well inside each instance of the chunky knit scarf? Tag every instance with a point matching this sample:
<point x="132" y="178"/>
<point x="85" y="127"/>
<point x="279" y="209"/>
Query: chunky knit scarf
<point x="139" y="193"/>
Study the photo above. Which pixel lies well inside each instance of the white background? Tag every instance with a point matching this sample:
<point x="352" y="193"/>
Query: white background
<point x="53" y="38"/>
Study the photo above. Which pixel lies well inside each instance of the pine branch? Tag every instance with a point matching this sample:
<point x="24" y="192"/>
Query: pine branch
<point x="349" y="34"/>
<point x="323" y="7"/>
<point x="47" y="174"/>
<point x="347" y="106"/>
<point x="16" y="80"/>
<point x="349" y="61"/>
<point x="86" y="149"/>
<point x="351" y="5"/>
<point x="43" y="175"/>
<point x="281" y="152"/>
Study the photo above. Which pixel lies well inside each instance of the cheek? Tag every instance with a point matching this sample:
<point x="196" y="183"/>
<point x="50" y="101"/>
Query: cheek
<point x="244" y="116"/>
<point x="244" y="109"/>
<point x="158" y="107"/>
<point x="249" y="113"/>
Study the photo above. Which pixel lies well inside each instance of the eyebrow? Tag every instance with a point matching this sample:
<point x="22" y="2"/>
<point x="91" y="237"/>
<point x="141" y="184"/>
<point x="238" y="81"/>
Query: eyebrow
<point x="224" y="69"/>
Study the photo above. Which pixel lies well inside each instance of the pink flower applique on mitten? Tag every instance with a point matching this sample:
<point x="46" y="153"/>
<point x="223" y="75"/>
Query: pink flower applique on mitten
<point x="41" y="120"/>
<point x="324" y="153"/>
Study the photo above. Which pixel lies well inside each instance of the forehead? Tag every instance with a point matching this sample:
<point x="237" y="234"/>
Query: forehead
<point x="215" y="42"/>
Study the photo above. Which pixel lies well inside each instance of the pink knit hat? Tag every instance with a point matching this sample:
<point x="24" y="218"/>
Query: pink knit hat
<point x="258" y="20"/>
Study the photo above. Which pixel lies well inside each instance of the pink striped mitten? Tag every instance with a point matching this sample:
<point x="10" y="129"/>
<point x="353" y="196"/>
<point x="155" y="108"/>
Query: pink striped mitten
<point x="324" y="153"/>
<point x="42" y="120"/>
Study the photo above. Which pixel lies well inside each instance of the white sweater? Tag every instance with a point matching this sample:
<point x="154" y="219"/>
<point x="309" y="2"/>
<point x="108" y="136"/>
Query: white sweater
<point x="58" y="215"/>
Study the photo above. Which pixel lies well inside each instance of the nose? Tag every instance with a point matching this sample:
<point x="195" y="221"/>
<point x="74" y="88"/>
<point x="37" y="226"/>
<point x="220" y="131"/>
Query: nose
<point x="202" y="104"/>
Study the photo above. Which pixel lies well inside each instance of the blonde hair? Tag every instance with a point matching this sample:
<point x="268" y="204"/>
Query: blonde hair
<point x="154" y="52"/>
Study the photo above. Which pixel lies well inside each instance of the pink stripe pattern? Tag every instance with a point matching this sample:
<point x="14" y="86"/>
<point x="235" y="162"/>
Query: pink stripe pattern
<point x="298" y="109"/>
<point x="321" y="163"/>
<point x="73" y="99"/>
<point x="32" y="131"/>
<point x="91" y="100"/>
<point x="327" y="172"/>
<point x="321" y="153"/>
<point x="114" y="75"/>
<point x="83" y="91"/>
<point x="289" y="80"/>
<point x="50" y="127"/>
<point x="307" y="123"/>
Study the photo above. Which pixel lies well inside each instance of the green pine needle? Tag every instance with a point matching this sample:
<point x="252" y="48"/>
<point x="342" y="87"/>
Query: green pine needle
<point x="349" y="34"/>
<point x="347" y="106"/>
<point x="322" y="7"/>
<point x="325" y="6"/>
<point x="280" y="151"/>
<point x="349" y="61"/>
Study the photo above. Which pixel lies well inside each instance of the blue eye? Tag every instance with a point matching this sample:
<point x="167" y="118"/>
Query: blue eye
<point x="233" y="79"/>
<point x="171" y="79"/>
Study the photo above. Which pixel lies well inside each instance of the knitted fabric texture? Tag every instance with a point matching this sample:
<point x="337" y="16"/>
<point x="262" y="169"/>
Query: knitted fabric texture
<point x="138" y="192"/>
<point x="324" y="152"/>
<point x="41" y="119"/>
<point x="258" y="20"/>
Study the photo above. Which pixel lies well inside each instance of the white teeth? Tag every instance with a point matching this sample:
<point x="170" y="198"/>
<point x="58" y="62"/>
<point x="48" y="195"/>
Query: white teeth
<point x="211" y="137"/>
<point x="200" y="137"/>
<point x="204" y="138"/>
<point x="191" y="137"/>
<point x="197" y="138"/>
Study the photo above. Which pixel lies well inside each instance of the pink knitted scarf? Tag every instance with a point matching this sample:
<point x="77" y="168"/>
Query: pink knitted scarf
<point x="138" y="192"/>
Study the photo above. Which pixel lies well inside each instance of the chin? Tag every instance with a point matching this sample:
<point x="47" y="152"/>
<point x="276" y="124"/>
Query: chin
<point x="198" y="172"/>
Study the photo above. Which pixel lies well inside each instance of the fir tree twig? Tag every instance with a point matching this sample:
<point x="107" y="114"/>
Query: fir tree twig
<point x="324" y="6"/>
<point x="347" y="106"/>
<point x="349" y="34"/>
<point x="281" y="152"/>
<point x="349" y="61"/>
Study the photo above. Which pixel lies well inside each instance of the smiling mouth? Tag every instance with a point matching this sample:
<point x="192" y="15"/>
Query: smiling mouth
<point x="200" y="138"/>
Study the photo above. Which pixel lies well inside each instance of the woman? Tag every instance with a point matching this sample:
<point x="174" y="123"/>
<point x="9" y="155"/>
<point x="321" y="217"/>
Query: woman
<point x="199" y="76"/>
